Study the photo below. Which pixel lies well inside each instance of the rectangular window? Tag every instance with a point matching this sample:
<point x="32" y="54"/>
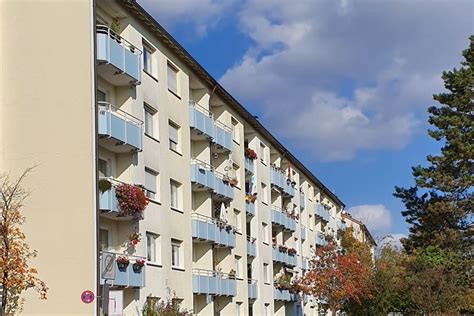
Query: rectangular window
<point x="101" y="96"/>
<point x="238" y="267"/>
<point x="267" y="309"/>
<point x="151" y="121"/>
<point x="264" y="193"/>
<point x="238" y="311"/>
<point x="175" y="191"/>
<point x="174" y="136"/>
<point x="238" y="220"/>
<point x="266" y="233"/>
<point x="266" y="273"/>
<point x="148" y="59"/>
<point x="103" y="239"/>
<point x="151" y="183"/>
<point x="176" y="253"/>
<point x="235" y="130"/>
<point x="172" y="78"/>
<point x="152" y="247"/>
<point x="311" y="222"/>
<point x="104" y="168"/>
<point x="263" y="153"/>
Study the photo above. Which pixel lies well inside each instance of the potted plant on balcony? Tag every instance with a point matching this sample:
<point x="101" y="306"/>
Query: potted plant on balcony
<point x="291" y="251"/>
<point x="104" y="185"/>
<point x="250" y="153"/>
<point x="134" y="238"/>
<point x="122" y="262"/>
<point x="138" y="265"/>
<point x="232" y="274"/>
<point x="132" y="201"/>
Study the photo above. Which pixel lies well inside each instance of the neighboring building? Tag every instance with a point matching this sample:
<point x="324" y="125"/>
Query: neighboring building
<point x="359" y="231"/>
<point x="95" y="107"/>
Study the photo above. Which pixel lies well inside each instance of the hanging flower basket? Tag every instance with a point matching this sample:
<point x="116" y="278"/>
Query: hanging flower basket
<point x="132" y="200"/>
<point x="134" y="238"/>
<point x="138" y="265"/>
<point x="233" y="182"/>
<point x="122" y="262"/>
<point x="291" y="251"/>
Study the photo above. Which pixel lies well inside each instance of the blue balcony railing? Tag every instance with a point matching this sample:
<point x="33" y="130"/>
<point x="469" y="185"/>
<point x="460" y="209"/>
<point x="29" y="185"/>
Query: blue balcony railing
<point x="202" y="174"/>
<point x="252" y="289"/>
<point x="282" y="219"/>
<point x="213" y="283"/>
<point x="212" y="230"/>
<point x="279" y="180"/>
<point x="283" y="295"/>
<point x="129" y="275"/>
<point x="201" y="120"/>
<point x="291" y="260"/>
<point x="321" y="212"/>
<point x="249" y="165"/>
<point x="341" y="225"/>
<point x="222" y="188"/>
<point x="279" y="256"/>
<point x="222" y="136"/>
<point x="250" y="208"/>
<point x="251" y="247"/>
<point x="119" y="60"/>
<point x="320" y="240"/>
<point x="118" y="130"/>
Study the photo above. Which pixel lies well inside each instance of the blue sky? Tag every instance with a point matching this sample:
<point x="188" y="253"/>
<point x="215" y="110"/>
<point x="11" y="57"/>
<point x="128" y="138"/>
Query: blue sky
<point x="343" y="84"/>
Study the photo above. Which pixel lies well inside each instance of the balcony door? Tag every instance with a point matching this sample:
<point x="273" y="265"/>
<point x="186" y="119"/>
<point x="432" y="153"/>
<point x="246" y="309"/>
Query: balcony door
<point x="101" y="96"/>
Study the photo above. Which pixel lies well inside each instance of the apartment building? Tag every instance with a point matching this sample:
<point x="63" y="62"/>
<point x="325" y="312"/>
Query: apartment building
<point x="114" y="108"/>
<point x="359" y="231"/>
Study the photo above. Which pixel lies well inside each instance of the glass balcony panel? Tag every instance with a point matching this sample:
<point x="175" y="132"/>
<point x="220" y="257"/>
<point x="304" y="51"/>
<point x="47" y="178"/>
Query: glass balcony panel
<point x="201" y="120"/>
<point x="250" y="208"/>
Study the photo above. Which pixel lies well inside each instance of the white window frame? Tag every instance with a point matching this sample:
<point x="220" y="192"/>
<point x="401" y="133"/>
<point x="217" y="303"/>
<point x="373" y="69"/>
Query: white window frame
<point x="238" y="219"/>
<point x="235" y="130"/>
<point x="266" y="273"/>
<point x="150" y="116"/>
<point x="175" y="197"/>
<point x="152" y="192"/>
<point x="154" y="246"/>
<point x="176" y="244"/>
<point x="171" y="68"/>
<point x="264" y="189"/>
<point x="266" y="234"/>
<point x="149" y="50"/>
<point x="174" y="144"/>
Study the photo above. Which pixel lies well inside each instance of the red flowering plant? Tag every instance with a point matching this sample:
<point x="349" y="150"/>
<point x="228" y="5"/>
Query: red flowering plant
<point x="138" y="265"/>
<point x="131" y="200"/>
<point x="134" y="238"/>
<point x="250" y="153"/>
<point x="122" y="262"/>
<point x="291" y="251"/>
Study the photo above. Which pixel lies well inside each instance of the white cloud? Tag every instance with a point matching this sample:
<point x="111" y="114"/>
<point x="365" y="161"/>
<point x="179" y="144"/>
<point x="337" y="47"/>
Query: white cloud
<point x="376" y="217"/>
<point x="393" y="240"/>
<point x="200" y="15"/>
<point x="335" y="77"/>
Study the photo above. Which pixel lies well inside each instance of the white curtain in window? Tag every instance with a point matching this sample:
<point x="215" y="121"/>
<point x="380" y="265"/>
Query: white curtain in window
<point x="172" y="79"/>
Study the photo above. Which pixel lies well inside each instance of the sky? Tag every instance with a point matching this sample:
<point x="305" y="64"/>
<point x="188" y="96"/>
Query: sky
<point x="343" y="84"/>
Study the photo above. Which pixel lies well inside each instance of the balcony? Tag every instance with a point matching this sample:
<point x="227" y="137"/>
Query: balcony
<point x="222" y="136"/>
<point x="249" y="165"/>
<point x="320" y="240"/>
<point x="280" y="181"/>
<point x="250" y="208"/>
<point x="283" y="256"/>
<point x="321" y="212"/>
<point x="303" y="232"/>
<point x="283" y="295"/>
<point x="341" y="225"/>
<point x="252" y="289"/>
<point x="302" y="201"/>
<point x="291" y="260"/>
<point x="304" y="262"/>
<point x="251" y="247"/>
<point x="213" y="283"/>
<point x="202" y="175"/>
<point x="280" y="218"/>
<point x="201" y="122"/>
<point x="211" y="230"/>
<point x="222" y="188"/>
<point x="108" y="203"/>
<point x="129" y="275"/>
<point x="119" y="61"/>
<point x="119" y="131"/>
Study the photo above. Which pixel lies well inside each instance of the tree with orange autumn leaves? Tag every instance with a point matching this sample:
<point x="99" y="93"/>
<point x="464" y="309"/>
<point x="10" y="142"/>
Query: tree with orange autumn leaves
<point x="15" y="273"/>
<point x="336" y="277"/>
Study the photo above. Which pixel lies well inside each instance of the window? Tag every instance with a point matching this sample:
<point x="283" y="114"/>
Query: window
<point x="236" y="171"/>
<point x="263" y="153"/>
<point x="235" y="130"/>
<point x="266" y="233"/>
<point x="172" y="78"/>
<point x="103" y="239"/>
<point x="311" y="222"/>
<point x="176" y="253"/>
<point x="174" y="136"/>
<point x="151" y="121"/>
<point x="175" y="191"/>
<point x="238" y="267"/>
<point x="151" y="183"/>
<point x="238" y="310"/>
<point x="104" y="168"/>
<point x="101" y="96"/>
<point x="266" y="273"/>
<point x="264" y="193"/>
<point x="148" y="59"/>
<point x="238" y="220"/>
<point x="267" y="309"/>
<point x="152" y="247"/>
